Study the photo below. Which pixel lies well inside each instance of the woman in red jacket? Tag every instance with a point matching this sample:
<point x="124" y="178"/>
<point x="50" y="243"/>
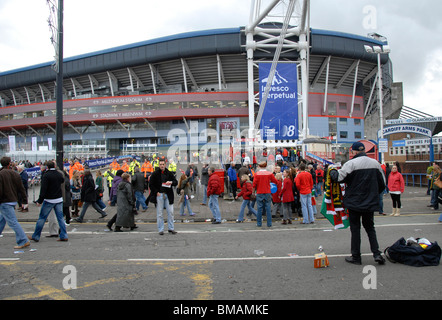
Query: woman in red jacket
<point x="396" y="186"/>
<point x="246" y="192"/>
<point x="287" y="197"/>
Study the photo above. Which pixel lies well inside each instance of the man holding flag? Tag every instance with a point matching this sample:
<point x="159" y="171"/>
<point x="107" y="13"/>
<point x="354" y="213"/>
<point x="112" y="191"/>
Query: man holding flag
<point x="364" y="179"/>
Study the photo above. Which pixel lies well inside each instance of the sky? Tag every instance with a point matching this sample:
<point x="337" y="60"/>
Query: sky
<point x="412" y="28"/>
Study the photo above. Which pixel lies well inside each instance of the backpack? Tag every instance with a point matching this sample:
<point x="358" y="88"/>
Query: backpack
<point x="413" y="255"/>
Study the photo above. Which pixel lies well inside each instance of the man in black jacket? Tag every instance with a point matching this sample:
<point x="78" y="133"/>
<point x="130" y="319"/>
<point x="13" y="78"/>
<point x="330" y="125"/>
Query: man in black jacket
<point x="161" y="193"/>
<point x="89" y="196"/>
<point x="51" y="197"/>
<point x="11" y="189"/>
<point x="364" y="179"/>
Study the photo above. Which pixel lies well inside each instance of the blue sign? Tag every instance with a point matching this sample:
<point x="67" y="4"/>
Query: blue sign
<point x="280" y="117"/>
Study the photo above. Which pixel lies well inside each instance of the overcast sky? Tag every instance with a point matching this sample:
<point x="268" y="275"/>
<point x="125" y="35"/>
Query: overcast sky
<point x="413" y="29"/>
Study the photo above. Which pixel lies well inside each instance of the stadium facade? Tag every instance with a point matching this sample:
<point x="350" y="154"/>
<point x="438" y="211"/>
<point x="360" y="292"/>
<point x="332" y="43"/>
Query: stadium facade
<point x="129" y="99"/>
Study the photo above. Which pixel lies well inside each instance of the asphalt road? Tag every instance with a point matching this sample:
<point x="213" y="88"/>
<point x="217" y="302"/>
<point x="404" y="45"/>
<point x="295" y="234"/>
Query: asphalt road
<point x="229" y="261"/>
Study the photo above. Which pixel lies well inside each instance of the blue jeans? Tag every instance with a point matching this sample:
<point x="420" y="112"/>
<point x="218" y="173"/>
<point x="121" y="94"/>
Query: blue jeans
<point x="163" y="202"/>
<point x="140" y="199"/>
<point x="7" y="214"/>
<point x="101" y="203"/>
<point x="84" y="209"/>
<point x="186" y="203"/>
<point x="46" y="208"/>
<point x="307" y="208"/>
<point x="214" y="207"/>
<point x="264" y="201"/>
<point x="245" y="203"/>
<point x="204" y="194"/>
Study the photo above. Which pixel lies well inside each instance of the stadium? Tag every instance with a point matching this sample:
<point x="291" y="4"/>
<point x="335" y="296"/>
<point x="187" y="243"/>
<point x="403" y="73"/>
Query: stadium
<point x="128" y="99"/>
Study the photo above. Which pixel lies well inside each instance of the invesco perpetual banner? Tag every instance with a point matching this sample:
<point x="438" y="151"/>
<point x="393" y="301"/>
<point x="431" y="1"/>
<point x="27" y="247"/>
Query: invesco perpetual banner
<point x="280" y="117"/>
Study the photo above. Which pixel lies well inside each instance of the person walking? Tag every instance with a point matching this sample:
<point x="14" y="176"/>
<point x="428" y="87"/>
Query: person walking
<point x="99" y="183"/>
<point x="89" y="196"/>
<point x="246" y="193"/>
<point x="67" y="197"/>
<point x="24" y="178"/>
<point x="233" y="177"/>
<point x="204" y="181"/>
<point x="364" y="179"/>
<point x="184" y="187"/>
<point x="139" y="184"/>
<point x="261" y="184"/>
<point x="75" y="183"/>
<point x="125" y="197"/>
<point x="434" y="186"/>
<point x="213" y="192"/>
<point x="51" y="197"/>
<point x="287" y="197"/>
<point x="161" y="184"/>
<point x="11" y="189"/>
<point x="304" y="183"/>
<point x="397" y="187"/>
<point x="113" y="193"/>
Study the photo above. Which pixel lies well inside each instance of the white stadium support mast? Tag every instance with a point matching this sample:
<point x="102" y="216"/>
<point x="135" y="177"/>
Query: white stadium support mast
<point x="294" y="16"/>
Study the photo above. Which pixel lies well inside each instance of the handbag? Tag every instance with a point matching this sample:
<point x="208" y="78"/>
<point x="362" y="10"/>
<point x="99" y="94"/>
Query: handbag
<point x="413" y="255"/>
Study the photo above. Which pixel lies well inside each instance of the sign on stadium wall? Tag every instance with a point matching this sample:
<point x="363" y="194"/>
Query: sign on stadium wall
<point x="280" y="117"/>
<point x="407" y="128"/>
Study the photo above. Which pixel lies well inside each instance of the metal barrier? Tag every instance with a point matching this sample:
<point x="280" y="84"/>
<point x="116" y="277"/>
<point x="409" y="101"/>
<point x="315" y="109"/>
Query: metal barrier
<point x="419" y="179"/>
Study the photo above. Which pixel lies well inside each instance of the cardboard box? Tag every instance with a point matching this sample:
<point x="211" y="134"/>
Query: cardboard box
<point x="321" y="260"/>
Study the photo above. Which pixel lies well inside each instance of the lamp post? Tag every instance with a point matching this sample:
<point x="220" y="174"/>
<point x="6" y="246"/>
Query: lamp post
<point x="378" y="50"/>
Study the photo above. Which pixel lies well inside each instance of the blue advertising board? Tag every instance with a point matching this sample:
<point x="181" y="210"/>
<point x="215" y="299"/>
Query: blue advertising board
<point x="280" y="117"/>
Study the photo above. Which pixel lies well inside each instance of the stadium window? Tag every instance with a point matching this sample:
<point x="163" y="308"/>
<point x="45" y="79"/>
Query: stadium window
<point x="357" y="107"/>
<point x="358" y="135"/>
<point x="332" y="126"/>
<point x="342" y="106"/>
<point x="332" y="108"/>
<point x="343" y="134"/>
<point x="358" y="122"/>
<point x="343" y="121"/>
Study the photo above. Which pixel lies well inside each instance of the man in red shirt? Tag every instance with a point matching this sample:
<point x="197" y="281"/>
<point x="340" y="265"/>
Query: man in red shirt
<point x="304" y="183"/>
<point x="261" y="183"/>
<point x="213" y="192"/>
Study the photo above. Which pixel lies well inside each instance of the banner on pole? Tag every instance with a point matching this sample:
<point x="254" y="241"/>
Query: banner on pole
<point x="280" y="117"/>
<point x="12" y="146"/>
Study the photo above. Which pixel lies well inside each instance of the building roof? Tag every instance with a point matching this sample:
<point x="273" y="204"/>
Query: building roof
<point x="201" y="53"/>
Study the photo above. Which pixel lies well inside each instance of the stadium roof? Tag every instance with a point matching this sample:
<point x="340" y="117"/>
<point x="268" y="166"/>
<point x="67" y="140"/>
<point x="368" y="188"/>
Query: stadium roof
<point x="201" y="53"/>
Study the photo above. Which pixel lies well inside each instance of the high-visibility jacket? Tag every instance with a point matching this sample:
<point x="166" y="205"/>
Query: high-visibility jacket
<point x="132" y="166"/>
<point x="109" y="175"/>
<point x="125" y="167"/>
<point x="146" y="168"/>
<point x="76" y="166"/>
<point x="114" y="165"/>
<point x="156" y="164"/>
<point x="172" y="166"/>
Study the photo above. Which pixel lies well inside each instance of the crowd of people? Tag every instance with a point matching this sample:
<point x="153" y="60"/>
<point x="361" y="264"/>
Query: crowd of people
<point x="287" y="189"/>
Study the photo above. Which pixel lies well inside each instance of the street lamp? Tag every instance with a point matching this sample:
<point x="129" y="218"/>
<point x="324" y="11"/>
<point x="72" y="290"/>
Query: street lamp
<point x="378" y="50"/>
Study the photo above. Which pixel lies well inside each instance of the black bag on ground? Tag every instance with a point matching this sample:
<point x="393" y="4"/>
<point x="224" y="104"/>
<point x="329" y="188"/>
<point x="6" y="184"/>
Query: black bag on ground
<point x="415" y="256"/>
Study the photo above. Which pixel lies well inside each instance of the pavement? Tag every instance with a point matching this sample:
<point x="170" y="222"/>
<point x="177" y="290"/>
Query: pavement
<point x="414" y="202"/>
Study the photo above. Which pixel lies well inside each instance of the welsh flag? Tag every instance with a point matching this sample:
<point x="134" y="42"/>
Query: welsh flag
<point x="332" y="207"/>
<point x="338" y="217"/>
